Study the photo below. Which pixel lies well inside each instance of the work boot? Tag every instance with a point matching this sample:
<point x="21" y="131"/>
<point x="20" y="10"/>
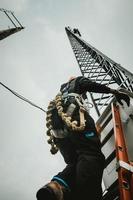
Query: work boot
<point x="51" y="191"/>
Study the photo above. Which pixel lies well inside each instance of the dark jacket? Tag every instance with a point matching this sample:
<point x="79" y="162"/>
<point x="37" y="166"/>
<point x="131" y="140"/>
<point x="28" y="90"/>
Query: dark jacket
<point x="87" y="141"/>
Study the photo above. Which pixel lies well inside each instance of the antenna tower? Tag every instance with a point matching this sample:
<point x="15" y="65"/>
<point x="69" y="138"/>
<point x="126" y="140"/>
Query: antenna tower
<point x="99" y="68"/>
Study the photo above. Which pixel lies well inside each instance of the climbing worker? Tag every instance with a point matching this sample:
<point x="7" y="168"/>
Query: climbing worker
<point x="72" y="131"/>
<point x="76" y="31"/>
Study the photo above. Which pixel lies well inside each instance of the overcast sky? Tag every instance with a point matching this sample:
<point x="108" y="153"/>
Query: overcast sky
<point x="34" y="62"/>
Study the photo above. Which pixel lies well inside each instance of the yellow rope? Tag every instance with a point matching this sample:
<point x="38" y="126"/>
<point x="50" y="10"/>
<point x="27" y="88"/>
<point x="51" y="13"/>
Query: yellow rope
<point x="67" y="119"/>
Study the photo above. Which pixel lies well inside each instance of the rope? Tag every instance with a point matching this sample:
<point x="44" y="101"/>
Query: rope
<point x="67" y="119"/>
<point x="22" y="97"/>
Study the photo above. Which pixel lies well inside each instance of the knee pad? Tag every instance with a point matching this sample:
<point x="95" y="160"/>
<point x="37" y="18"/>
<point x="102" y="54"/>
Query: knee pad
<point x="51" y="191"/>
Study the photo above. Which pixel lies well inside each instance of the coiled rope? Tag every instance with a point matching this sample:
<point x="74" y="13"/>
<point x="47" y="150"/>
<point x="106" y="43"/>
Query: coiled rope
<point x="71" y="124"/>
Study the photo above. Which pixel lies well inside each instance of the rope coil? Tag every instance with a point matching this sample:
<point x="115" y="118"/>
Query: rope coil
<point x="71" y="124"/>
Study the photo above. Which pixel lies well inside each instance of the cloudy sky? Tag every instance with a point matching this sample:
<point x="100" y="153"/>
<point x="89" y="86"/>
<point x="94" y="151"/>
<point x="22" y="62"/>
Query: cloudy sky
<point x="34" y="62"/>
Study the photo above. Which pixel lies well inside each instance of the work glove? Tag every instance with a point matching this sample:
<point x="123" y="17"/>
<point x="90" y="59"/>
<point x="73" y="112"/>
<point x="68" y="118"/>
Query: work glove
<point x="122" y="96"/>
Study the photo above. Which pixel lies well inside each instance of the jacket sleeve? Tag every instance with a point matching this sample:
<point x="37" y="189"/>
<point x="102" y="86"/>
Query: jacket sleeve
<point x="85" y="84"/>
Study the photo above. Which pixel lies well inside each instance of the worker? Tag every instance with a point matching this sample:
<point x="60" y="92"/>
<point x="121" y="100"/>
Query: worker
<point x="76" y="31"/>
<point x="78" y="142"/>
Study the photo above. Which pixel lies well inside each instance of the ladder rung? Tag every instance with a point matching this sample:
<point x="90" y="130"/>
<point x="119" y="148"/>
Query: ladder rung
<point x="101" y="98"/>
<point x="108" y="136"/>
<point x="110" y="158"/>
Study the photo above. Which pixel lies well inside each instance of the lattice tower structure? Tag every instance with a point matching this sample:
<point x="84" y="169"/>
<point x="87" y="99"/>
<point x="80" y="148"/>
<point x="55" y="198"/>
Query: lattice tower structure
<point x="17" y="26"/>
<point x="99" y="68"/>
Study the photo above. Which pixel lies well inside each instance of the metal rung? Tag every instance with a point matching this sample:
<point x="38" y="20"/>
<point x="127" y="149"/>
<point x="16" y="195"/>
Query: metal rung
<point x="102" y="104"/>
<point x="124" y="165"/>
<point x="98" y="75"/>
<point x="110" y="158"/>
<point x="102" y="98"/>
<point x="105" y="140"/>
<point x="112" y="192"/>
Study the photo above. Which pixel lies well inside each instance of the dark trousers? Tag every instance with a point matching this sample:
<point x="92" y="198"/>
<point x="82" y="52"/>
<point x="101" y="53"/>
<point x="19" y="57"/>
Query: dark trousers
<point x="83" y="178"/>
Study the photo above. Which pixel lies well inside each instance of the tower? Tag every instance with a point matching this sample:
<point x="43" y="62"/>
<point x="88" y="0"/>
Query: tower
<point x="17" y="26"/>
<point x="99" y="68"/>
<point x="115" y="123"/>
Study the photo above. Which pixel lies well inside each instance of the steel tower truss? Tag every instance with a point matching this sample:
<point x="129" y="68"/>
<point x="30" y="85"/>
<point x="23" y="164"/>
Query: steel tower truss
<point x="99" y="68"/>
<point x="17" y="26"/>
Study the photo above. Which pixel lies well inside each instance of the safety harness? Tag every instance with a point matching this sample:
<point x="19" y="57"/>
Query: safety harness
<point x="66" y="116"/>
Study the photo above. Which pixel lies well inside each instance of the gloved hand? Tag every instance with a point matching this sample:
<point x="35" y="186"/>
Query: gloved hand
<point x="122" y="96"/>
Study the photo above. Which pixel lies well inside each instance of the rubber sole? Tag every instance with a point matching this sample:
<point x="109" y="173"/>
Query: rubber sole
<point x="45" y="194"/>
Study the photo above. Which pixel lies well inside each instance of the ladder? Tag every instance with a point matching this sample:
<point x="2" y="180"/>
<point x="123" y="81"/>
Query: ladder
<point x="115" y="130"/>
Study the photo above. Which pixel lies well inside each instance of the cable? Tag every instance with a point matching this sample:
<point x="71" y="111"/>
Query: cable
<point x="22" y="98"/>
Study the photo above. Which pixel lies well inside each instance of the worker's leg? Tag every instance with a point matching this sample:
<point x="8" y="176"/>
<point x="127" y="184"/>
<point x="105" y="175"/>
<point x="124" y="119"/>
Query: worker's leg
<point x="51" y="191"/>
<point x="60" y="186"/>
<point x="88" y="178"/>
